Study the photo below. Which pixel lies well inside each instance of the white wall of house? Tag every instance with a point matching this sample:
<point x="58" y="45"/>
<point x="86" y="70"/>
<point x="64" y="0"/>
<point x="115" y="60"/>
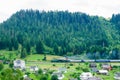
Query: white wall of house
<point x="19" y="64"/>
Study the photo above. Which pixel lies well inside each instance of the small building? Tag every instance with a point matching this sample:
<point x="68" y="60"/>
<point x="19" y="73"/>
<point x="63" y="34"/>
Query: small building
<point x="19" y="64"/>
<point x="45" y="71"/>
<point x="25" y="77"/>
<point x="73" y="79"/>
<point x="34" y="68"/>
<point x="117" y="76"/>
<point x="94" y="69"/>
<point x="62" y="69"/>
<point x="106" y="66"/>
<point x="85" y="76"/>
<point x="94" y="78"/>
<point x="59" y="75"/>
<point x="104" y="72"/>
<point x="93" y="65"/>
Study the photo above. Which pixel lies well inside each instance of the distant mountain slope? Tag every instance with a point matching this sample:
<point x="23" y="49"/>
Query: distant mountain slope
<point x="58" y="32"/>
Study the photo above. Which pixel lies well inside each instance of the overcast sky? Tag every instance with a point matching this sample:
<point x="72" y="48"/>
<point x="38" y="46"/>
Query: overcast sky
<point x="103" y="8"/>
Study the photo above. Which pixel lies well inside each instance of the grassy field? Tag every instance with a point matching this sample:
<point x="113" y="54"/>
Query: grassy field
<point x="8" y="54"/>
<point x="39" y="57"/>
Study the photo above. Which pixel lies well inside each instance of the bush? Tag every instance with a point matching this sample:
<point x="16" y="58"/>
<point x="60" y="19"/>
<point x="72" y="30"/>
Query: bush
<point x="44" y="77"/>
<point x="40" y="71"/>
<point x="85" y="69"/>
<point x="68" y="67"/>
<point x="54" y="77"/>
<point x="54" y="65"/>
<point x="75" y="75"/>
<point x="11" y="64"/>
<point x="77" y="68"/>
<point x="71" y="64"/>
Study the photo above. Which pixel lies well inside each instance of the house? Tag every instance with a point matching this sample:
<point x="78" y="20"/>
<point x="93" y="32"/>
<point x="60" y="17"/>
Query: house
<point x="117" y="76"/>
<point x="25" y="77"/>
<point x="73" y="79"/>
<point x="94" y="69"/>
<point x="62" y="69"/>
<point x="94" y="78"/>
<point x="59" y="75"/>
<point x="19" y="64"/>
<point x="106" y="66"/>
<point x="93" y="65"/>
<point x="104" y="72"/>
<point x="85" y="76"/>
<point x="45" y="71"/>
<point x="34" y="68"/>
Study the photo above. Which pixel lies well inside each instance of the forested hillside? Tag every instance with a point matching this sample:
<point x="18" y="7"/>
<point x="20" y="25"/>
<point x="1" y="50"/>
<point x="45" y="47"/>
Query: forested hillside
<point x="61" y="33"/>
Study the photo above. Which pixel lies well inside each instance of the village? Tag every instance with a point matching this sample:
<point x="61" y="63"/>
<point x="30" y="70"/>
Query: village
<point x="70" y="71"/>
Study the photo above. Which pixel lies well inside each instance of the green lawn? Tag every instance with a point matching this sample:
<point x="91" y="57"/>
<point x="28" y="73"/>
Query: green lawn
<point x="8" y="54"/>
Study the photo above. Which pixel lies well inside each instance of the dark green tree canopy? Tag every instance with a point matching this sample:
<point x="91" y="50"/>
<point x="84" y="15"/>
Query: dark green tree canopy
<point x="59" y="32"/>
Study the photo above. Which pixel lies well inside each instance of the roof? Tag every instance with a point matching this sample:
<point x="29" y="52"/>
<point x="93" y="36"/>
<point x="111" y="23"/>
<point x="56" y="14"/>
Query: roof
<point x="19" y="61"/>
<point x="26" y="77"/>
<point x="94" y="69"/>
<point x="85" y="75"/>
<point x="105" y="64"/>
<point x="73" y="79"/>
<point x="19" y="64"/>
<point x="94" y="78"/>
<point x="33" y="66"/>
<point x="103" y="71"/>
<point x="117" y="75"/>
<point x="59" y="74"/>
<point x="93" y="65"/>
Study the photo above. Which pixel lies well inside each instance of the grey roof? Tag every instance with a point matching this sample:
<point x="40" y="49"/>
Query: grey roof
<point x="18" y="61"/>
<point x="33" y="67"/>
<point x="105" y="64"/>
<point x="93" y="65"/>
<point x="94" y="70"/>
<point x="117" y="74"/>
<point x="57" y="73"/>
<point x="94" y="78"/>
<point x="73" y="79"/>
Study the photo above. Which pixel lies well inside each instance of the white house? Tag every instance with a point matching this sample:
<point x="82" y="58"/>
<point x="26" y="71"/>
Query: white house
<point x="94" y="78"/>
<point x="34" y="68"/>
<point x="25" y="77"/>
<point x="104" y="72"/>
<point x="106" y="66"/>
<point x="19" y="64"/>
<point x="59" y="75"/>
<point x="86" y="75"/>
<point x="117" y="76"/>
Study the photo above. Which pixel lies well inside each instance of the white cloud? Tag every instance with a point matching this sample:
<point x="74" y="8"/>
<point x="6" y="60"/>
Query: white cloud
<point x="103" y="8"/>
